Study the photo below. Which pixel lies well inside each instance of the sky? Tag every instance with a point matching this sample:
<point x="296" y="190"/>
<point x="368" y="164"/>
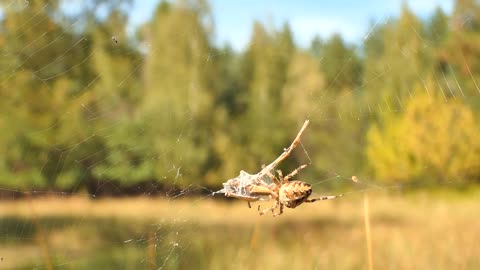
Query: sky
<point x="351" y="18"/>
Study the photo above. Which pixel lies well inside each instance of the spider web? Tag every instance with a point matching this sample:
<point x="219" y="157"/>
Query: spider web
<point x="81" y="224"/>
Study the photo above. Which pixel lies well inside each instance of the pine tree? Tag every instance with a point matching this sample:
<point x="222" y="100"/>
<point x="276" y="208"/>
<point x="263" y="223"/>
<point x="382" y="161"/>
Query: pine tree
<point x="340" y="64"/>
<point x="437" y="28"/>
<point x="178" y="103"/>
<point x="37" y="86"/>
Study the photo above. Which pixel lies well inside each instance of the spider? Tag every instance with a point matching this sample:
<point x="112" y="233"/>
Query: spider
<point x="285" y="192"/>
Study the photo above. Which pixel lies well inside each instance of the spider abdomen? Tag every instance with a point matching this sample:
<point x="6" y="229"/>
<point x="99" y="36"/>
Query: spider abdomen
<point x="294" y="193"/>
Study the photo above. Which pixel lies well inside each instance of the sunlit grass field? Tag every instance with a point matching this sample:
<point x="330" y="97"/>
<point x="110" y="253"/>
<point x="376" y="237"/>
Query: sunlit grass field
<point x="409" y="231"/>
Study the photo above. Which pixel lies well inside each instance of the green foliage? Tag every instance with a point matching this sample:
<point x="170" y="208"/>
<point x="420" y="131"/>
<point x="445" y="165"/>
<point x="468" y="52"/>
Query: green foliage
<point x="265" y="71"/>
<point x="84" y="104"/>
<point x="340" y="63"/>
<point x="117" y="88"/>
<point x="178" y="102"/>
<point x="404" y="47"/>
<point x="35" y="100"/>
<point x="437" y="28"/>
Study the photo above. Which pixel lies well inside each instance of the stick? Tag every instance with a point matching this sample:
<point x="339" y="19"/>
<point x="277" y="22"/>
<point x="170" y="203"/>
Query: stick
<point x="368" y="235"/>
<point x="285" y="153"/>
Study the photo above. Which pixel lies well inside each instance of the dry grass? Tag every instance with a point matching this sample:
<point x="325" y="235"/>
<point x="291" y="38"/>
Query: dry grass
<point x="407" y="232"/>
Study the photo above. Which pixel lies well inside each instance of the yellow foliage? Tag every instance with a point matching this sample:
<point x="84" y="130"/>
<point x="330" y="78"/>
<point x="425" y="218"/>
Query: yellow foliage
<point x="432" y="139"/>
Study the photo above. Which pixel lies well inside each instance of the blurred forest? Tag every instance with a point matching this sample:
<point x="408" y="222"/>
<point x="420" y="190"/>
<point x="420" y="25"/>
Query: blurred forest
<point x="87" y="105"/>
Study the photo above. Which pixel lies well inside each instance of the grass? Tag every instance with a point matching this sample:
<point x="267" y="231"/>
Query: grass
<point x="415" y="231"/>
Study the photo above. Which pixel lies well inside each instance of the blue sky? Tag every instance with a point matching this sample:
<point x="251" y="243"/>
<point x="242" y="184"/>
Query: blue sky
<point x="234" y="18"/>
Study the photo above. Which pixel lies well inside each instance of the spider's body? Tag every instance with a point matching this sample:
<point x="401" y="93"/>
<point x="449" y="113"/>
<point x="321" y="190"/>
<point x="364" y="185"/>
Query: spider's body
<point x="294" y="193"/>
<point x="288" y="193"/>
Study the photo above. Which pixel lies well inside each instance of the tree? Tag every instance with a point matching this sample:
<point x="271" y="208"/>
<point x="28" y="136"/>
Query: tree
<point x="404" y="48"/>
<point x="460" y="53"/>
<point x="432" y="139"/>
<point x="466" y="15"/>
<point x="118" y="88"/>
<point x="264" y="73"/>
<point x="316" y="47"/>
<point x="38" y="95"/>
<point x="340" y="64"/>
<point x="178" y="100"/>
<point x="437" y="28"/>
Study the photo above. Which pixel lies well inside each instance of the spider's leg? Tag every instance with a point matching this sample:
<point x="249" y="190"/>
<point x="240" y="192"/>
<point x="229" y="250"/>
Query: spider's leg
<point x="279" y="212"/>
<point x="274" y="178"/>
<point x="280" y="176"/>
<point x="323" y="198"/>
<point x="275" y="197"/>
<point x="261" y="212"/>
<point x="275" y="205"/>
<point x="249" y="205"/>
<point x="295" y="172"/>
